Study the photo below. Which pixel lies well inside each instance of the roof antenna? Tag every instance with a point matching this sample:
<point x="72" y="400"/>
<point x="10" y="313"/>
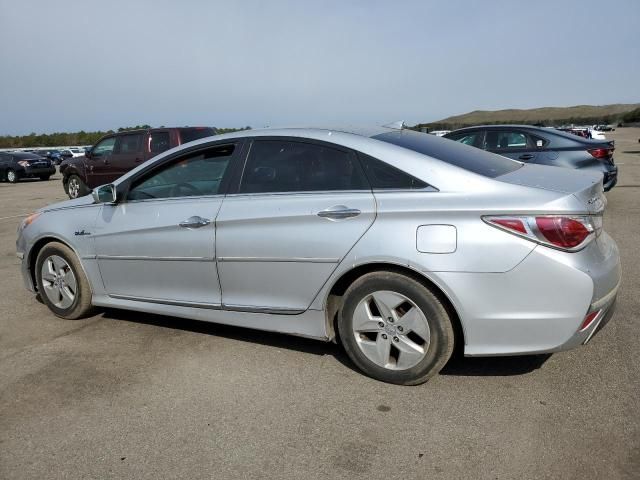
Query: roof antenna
<point x="399" y="125"/>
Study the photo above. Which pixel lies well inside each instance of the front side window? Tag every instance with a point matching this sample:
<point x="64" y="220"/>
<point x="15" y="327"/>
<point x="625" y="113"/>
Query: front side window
<point x="505" y="140"/>
<point x="193" y="175"/>
<point x="129" y="144"/>
<point x="105" y="147"/>
<point x="288" y="166"/>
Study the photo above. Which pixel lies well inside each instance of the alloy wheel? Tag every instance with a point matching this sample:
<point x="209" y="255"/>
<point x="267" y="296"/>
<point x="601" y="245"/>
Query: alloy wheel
<point x="74" y="188"/>
<point x="11" y="176"/>
<point x="59" y="282"/>
<point x="391" y="330"/>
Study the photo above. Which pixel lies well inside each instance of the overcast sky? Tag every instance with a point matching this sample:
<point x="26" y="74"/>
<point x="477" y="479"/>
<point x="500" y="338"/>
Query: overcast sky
<point x="70" y="65"/>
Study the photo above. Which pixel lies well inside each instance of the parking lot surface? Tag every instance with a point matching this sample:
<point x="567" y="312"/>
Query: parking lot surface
<point x="129" y="395"/>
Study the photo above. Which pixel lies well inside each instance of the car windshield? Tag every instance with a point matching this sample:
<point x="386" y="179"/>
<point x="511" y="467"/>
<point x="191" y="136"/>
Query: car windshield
<point x="191" y="134"/>
<point x="449" y="151"/>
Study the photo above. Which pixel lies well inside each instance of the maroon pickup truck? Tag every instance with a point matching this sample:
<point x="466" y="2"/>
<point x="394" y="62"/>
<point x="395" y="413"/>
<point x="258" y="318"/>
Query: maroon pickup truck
<point x="116" y="154"/>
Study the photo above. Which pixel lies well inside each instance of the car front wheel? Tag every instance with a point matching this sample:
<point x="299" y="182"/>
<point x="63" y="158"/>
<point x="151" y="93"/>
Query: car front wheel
<point x="62" y="284"/>
<point x="395" y="329"/>
<point x="76" y="187"/>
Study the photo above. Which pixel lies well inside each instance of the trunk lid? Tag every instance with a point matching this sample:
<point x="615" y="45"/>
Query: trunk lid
<point x="586" y="186"/>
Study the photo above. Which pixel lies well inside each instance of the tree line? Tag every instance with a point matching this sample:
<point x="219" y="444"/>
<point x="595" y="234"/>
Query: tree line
<point x="35" y="140"/>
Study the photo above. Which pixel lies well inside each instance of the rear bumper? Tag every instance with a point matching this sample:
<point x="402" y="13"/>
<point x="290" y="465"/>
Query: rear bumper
<point x="540" y="305"/>
<point x="610" y="179"/>
<point x="36" y="172"/>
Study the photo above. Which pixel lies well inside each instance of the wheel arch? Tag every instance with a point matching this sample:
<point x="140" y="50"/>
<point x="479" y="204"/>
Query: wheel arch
<point x="333" y="300"/>
<point x="37" y="248"/>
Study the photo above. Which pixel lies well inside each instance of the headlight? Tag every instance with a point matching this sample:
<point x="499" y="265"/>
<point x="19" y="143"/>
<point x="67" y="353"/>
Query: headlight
<point x="28" y="221"/>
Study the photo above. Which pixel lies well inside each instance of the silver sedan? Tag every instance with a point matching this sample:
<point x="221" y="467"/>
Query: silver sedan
<point x="397" y="244"/>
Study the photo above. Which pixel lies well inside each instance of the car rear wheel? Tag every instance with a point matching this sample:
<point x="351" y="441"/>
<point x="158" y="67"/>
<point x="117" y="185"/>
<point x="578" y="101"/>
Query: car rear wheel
<point x="62" y="284"/>
<point x="76" y="187"/>
<point x="395" y="329"/>
<point x="12" y="176"/>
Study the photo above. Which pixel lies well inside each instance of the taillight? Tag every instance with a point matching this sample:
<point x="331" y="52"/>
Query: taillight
<point x="564" y="232"/>
<point x="601" y="153"/>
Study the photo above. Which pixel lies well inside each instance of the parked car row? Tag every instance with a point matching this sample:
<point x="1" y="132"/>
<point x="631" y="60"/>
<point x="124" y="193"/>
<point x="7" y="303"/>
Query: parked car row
<point x="397" y="244"/>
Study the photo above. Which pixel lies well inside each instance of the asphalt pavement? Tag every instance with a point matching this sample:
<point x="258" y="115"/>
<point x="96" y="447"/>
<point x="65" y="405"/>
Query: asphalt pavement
<point x="129" y="395"/>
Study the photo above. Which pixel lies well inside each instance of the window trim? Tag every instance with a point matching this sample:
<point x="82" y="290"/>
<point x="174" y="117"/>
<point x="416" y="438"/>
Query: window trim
<point x="237" y="182"/>
<point x="499" y="151"/>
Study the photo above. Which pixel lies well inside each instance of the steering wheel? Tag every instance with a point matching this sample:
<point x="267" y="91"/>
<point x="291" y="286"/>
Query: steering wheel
<point x="176" y="190"/>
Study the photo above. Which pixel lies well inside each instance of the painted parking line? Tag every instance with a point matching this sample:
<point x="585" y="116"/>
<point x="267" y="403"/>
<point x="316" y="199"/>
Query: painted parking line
<point x="14" y="216"/>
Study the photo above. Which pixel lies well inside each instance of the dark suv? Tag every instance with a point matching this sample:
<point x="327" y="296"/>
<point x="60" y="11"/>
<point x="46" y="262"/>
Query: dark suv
<point x="545" y="146"/>
<point x="116" y="154"/>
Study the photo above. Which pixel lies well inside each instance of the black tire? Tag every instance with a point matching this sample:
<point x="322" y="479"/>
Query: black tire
<point x="81" y="306"/>
<point x="441" y="331"/>
<point x="81" y="189"/>
<point x="45" y="177"/>
<point x="12" y="176"/>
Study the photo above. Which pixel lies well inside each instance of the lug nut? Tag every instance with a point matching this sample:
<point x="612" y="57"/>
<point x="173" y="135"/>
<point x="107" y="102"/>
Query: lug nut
<point x="396" y="339"/>
<point x="381" y="325"/>
<point x="390" y="319"/>
<point x="400" y="329"/>
<point x="384" y="335"/>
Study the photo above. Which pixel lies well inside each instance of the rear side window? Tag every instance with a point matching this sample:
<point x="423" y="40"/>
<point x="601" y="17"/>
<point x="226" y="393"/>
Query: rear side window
<point x="194" y="133"/>
<point x="129" y="144"/>
<point x="383" y="176"/>
<point x="466" y="138"/>
<point x="470" y="158"/>
<point x="159" y="142"/>
<point x="288" y="166"/>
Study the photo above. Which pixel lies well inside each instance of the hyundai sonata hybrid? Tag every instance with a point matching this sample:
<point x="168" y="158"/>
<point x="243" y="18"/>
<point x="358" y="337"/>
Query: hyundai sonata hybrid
<point x="399" y="245"/>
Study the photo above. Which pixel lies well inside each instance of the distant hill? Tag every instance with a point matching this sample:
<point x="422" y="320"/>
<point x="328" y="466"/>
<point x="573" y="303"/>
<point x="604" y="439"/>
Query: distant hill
<point x="579" y="114"/>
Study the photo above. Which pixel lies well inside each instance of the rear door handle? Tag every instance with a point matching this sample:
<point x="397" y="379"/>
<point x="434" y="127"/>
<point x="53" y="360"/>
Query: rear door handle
<point x="195" y="222"/>
<point x="339" y="212"/>
<point x="526" y="156"/>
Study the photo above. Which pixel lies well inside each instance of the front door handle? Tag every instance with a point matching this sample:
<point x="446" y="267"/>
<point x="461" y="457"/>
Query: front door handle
<point x="339" y="212"/>
<point x="526" y="156"/>
<point x="195" y="222"/>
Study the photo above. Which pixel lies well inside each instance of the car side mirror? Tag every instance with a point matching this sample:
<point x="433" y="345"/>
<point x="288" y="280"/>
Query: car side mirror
<point x="104" y="194"/>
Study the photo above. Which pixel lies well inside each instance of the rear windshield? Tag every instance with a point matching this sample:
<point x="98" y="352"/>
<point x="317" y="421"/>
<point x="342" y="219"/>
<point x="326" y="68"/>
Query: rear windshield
<point x="191" y="134"/>
<point x="470" y="158"/>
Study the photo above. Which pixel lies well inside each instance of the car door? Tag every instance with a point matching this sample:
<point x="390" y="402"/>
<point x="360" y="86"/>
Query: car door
<point x="158" y="244"/>
<point x="98" y="163"/>
<point x="299" y="208"/>
<point x="512" y="143"/>
<point x="127" y="153"/>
